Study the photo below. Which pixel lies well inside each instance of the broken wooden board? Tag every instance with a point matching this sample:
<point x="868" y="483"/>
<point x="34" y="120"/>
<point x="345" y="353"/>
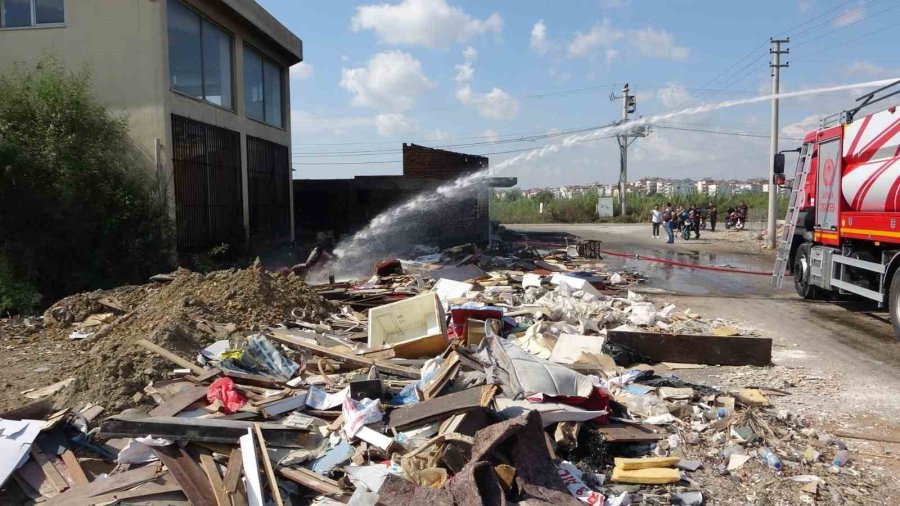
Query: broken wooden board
<point x="629" y="464"/>
<point x="285" y="337"/>
<point x="181" y="401"/>
<point x="442" y="407"/>
<point x="653" y="475"/>
<point x="630" y="433"/>
<point x="710" y="350"/>
<point x="188" y="473"/>
<point x="206" y="430"/>
<point x="171" y="357"/>
<point x="128" y="479"/>
<point x="312" y="481"/>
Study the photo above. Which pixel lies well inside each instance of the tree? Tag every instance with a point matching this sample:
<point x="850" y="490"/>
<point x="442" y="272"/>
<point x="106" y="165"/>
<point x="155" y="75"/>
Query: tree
<point x="78" y="210"/>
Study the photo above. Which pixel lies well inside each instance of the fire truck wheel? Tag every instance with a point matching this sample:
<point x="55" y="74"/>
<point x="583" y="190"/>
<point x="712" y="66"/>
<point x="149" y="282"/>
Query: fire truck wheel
<point x="801" y="274"/>
<point x="894" y="302"/>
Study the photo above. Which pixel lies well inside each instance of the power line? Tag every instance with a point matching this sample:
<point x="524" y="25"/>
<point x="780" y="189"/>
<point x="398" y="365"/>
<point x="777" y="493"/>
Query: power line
<point x="844" y="43"/>
<point x="724" y="132"/>
<point x="844" y="27"/>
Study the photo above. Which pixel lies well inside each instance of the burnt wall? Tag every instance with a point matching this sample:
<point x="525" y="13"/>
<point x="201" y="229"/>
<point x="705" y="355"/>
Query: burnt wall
<point x="420" y="161"/>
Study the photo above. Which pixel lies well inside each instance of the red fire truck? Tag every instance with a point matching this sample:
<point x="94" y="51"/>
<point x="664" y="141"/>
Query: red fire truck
<point x="843" y="229"/>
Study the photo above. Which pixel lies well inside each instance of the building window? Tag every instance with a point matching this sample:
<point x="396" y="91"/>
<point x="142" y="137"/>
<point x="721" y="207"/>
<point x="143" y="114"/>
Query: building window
<point x="269" y="180"/>
<point x="25" y="13"/>
<point x="263" y="88"/>
<point x="200" y="55"/>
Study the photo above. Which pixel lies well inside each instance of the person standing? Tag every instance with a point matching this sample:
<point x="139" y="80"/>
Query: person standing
<point x="655" y="219"/>
<point x="668" y="217"/>
<point x="713" y="217"/>
<point x="696" y="224"/>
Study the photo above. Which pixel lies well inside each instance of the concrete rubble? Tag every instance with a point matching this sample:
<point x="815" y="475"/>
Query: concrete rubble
<point x="462" y="376"/>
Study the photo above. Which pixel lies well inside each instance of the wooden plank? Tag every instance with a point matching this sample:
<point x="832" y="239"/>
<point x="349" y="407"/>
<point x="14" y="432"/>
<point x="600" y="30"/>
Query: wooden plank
<point x="74" y="467"/>
<point x="313" y="481"/>
<point x="128" y="479"/>
<point x="288" y="339"/>
<point x="34" y="410"/>
<point x="32" y="474"/>
<point x="188" y="473"/>
<point x="163" y="485"/>
<point x="48" y="469"/>
<point x="267" y="464"/>
<point x="233" y="471"/>
<point x="630" y="433"/>
<point x="171" y="357"/>
<point x="181" y="401"/>
<point x="867" y="437"/>
<point x="206" y="430"/>
<point x="710" y="350"/>
<point x="215" y="479"/>
<point x="442" y="407"/>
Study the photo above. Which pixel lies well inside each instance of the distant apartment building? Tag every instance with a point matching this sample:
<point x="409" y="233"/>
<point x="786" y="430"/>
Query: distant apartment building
<point x="205" y="87"/>
<point x="679" y="187"/>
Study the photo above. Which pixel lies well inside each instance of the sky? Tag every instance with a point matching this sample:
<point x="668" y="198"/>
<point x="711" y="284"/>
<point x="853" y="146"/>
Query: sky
<point x="500" y="77"/>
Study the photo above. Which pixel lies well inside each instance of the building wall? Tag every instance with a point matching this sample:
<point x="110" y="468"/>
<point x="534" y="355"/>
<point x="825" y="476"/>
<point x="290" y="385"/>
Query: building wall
<point x="121" y="42"/>
<point x="124" y="43"/>
<point x="235" y="120"/>
<point x="420" y="161"/>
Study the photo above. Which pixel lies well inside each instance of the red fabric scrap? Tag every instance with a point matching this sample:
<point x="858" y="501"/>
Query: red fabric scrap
<point x="222" y="390"/>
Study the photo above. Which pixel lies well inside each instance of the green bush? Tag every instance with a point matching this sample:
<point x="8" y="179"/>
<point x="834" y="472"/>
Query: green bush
<point x="78" y="209"/>
<point x="516" y="208"/>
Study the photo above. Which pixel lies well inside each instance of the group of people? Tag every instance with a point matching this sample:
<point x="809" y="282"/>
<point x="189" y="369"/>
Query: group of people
<point x="690" y="218"/>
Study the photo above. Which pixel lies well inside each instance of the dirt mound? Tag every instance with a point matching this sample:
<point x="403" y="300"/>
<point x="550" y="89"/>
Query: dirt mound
<point x="180" y="316"/>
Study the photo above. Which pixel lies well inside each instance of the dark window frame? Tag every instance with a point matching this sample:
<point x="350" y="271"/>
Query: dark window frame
<point x="232" y="64"/>
<point x="281" y="73"/>
<point x="34" y="23"/>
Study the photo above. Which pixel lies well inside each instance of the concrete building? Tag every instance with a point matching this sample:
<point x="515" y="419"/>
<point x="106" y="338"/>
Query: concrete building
<point x="342" y="206"/>
<point x="680" y="187"/>
<point x="205" y="88"/>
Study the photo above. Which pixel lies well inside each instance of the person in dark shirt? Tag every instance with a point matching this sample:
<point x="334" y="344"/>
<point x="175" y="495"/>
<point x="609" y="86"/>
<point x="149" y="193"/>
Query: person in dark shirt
<point x="713" y="214"/>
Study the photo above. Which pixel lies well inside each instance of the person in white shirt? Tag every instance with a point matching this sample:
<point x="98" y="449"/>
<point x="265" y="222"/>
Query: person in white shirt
<point x="656" y="220"/>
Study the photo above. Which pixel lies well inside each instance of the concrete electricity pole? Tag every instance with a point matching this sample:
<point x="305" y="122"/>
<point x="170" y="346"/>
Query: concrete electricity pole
<point x="776" y="66"/>
<point x="629" y="105"/>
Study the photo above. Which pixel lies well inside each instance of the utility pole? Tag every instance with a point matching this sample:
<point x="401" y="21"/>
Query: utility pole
<point x="629" y="105"/>
<point x="776" y="66"/>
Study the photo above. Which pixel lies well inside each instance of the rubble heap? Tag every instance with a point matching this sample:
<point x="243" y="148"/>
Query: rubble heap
<point x="545" y="379"/>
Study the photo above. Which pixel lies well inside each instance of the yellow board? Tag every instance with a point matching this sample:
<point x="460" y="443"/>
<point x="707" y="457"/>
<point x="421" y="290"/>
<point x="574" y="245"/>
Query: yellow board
<point x="651" y="476"/>
<point x="629" y="464"/>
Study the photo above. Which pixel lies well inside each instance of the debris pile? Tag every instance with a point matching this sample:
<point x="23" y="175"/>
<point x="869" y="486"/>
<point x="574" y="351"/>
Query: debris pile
<point x="458" y="377"/>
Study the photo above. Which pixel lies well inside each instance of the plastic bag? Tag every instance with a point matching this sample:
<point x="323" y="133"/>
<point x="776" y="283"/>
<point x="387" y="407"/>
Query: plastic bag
<point x="222" y="390"/>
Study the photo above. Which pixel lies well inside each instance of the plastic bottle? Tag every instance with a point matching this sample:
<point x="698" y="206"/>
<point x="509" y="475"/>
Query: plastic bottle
<point x="841" y="458"/>
<point x="769" y="457"/>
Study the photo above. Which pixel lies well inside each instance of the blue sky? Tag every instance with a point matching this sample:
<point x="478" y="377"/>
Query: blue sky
<point x="451" y="72"/>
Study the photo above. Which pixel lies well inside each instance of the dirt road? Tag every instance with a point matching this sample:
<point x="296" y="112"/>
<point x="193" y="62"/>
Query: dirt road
<point x="840" y="357"/>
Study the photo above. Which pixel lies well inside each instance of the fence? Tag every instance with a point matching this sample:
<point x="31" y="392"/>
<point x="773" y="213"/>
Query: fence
<point x="208" y="190"/>
<point x="269" y="180"/>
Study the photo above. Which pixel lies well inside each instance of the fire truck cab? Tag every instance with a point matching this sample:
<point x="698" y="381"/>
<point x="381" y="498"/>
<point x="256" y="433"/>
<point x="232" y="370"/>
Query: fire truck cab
<point x="847" y="235"/>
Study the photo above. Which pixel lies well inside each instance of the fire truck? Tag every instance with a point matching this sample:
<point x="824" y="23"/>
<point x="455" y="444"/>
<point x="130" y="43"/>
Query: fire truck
<point x="842" y="230"/>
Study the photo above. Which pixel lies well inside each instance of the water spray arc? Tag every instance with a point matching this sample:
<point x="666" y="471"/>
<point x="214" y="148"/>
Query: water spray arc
<point x="386" y="232"/>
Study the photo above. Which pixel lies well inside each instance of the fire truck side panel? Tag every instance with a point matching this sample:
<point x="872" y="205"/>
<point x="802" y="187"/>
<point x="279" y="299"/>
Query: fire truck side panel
<point x="828" y="195"/>
<point x="879" y="227"/>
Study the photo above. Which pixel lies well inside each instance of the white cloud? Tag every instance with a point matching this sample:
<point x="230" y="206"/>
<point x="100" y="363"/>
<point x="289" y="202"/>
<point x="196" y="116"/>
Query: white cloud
<point x="465" y="70"/>
<point x="658" y="44"/>
<point x="496" y="104"/>
<point x="802" y="127"/>
<point x="391" y="81"/>
<point x="614" y="4"/>
<point x="539" y="42"/>
<point x="864" y="68"/>
<point x="440" y="136"/>
<point x="301" y="70"/>
<point x="849" y="17"/>
<point x="602" y="35"/>
<point x="429" y="23"/>
<point x="394" y="124"/>
<point x="649" y="42"/>
<point x="490" y="135"/>
<point x="675" y="96"/>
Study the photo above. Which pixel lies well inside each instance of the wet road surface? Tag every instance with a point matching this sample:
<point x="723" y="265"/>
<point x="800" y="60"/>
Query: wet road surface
<point x="851" y="339"/>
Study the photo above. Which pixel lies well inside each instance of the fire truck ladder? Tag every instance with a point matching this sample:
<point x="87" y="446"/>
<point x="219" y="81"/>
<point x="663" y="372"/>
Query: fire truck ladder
<point x="790" y="224"/>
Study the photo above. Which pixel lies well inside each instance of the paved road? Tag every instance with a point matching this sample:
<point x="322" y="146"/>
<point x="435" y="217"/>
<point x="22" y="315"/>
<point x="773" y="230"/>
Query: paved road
<point x="848" y="342"/>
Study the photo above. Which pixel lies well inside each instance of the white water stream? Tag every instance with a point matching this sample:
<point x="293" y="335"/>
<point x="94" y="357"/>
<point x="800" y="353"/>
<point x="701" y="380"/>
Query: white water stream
<point x="390" y="232"/>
